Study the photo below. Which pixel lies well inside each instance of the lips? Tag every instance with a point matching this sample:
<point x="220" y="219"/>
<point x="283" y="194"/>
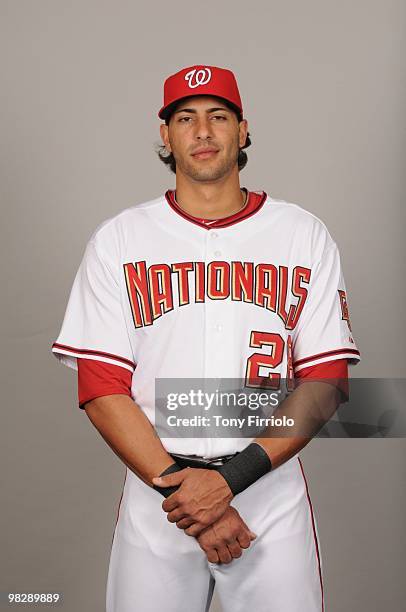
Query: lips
<point x="204" y="153"/>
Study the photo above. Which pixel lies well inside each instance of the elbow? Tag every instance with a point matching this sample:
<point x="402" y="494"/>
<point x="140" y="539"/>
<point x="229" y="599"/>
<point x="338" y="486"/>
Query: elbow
<point x="103" y="405"/>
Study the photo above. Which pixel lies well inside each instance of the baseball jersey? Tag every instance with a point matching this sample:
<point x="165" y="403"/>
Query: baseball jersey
<point x="257" y="297"/>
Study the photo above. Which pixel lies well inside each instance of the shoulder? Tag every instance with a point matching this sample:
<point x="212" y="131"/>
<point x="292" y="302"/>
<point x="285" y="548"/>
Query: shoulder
<point x="112" y="233"/>
<point x="294" y="219"/>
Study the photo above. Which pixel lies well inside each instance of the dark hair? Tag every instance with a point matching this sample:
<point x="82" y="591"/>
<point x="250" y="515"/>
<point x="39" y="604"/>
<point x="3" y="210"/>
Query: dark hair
<point x="168" y="158"/>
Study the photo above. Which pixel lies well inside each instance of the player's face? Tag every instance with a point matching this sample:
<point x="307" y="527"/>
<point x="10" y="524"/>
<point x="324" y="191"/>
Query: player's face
<point x="204" y="136"/>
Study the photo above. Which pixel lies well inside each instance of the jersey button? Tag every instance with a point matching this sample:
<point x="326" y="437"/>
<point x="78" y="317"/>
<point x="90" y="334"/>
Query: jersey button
<point x="214" y="234"/>
<point x="218" y="327"/>
<point x="217" y="253"/>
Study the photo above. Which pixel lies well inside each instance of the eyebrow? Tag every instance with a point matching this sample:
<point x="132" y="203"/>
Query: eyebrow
<point x="209" y="110"/>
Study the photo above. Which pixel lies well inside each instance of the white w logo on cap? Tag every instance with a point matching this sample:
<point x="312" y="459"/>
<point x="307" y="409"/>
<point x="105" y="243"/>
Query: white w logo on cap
<point x="198" y="77"/>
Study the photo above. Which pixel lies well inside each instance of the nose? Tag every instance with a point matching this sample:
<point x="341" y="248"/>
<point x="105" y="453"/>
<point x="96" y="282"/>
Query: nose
<point x="203" y="128"/>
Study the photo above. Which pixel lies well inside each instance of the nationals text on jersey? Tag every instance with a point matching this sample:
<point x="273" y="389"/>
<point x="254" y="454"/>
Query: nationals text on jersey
<point x="151" y="294"/>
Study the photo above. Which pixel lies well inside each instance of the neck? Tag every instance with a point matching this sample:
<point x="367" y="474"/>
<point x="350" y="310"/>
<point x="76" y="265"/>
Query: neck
<point x="209" y="200"/>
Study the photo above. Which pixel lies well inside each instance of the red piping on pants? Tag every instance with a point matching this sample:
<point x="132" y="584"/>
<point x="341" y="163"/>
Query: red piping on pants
<point x="314" y="534"/>
<point x="118" y="509"/>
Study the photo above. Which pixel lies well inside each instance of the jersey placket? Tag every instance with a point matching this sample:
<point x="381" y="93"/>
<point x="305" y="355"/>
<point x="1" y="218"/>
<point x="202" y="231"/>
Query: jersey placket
<point x="214" y="331"/>
<point x="216" y="326"/>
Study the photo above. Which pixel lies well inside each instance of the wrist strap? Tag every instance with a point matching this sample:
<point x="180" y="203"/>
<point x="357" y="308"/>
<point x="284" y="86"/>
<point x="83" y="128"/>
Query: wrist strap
<point x="167" y="491"/>
<point x="246" y="467"/>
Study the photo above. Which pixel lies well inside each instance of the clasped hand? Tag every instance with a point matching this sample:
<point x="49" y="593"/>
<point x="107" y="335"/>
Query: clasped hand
<point x="201" y="508"/>
<point x="202" y="498"/>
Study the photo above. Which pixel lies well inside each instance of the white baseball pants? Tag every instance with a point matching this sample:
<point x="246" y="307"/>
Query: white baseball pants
<point x="156" y="567"/>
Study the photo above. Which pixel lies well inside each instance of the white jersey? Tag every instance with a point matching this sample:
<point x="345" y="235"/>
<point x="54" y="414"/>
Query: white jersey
<point x="164" y="297"/>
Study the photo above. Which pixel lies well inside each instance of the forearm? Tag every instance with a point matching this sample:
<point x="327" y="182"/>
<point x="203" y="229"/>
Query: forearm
<point x="129" y="433"/>
<point x="310" y="406"/>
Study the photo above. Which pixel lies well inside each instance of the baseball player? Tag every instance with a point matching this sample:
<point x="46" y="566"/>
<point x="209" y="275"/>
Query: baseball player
<point x="209" y="281"/>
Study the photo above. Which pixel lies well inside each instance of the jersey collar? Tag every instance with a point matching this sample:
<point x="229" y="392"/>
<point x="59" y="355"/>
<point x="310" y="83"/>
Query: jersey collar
<point x="255" y="201"/>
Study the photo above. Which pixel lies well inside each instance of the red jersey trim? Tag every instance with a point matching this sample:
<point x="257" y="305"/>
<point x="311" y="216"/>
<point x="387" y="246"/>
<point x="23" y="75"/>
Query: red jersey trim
<point x="327" y="369"/>
<point x="219" y="223"/>
<point x="71" y="350"/>
<point x="345" y="351"/>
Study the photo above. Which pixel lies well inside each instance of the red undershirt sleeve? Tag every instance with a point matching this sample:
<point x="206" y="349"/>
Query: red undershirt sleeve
<point x="335" y="371"/>
<point x="98" y="378"/>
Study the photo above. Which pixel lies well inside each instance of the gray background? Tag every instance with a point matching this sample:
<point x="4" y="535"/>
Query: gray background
<point x="324" y="91"/>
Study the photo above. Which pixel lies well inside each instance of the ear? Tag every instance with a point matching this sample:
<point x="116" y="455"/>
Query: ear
<point x="163" y="128"/>
<point x="243" y="131"/>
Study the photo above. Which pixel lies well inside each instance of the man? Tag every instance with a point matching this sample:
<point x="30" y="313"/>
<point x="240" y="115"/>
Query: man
<point x="210" y="282"/>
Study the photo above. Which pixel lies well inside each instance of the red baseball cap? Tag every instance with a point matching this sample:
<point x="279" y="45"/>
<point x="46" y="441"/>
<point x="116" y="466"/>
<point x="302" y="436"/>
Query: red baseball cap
<point x="200" y="81"/>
